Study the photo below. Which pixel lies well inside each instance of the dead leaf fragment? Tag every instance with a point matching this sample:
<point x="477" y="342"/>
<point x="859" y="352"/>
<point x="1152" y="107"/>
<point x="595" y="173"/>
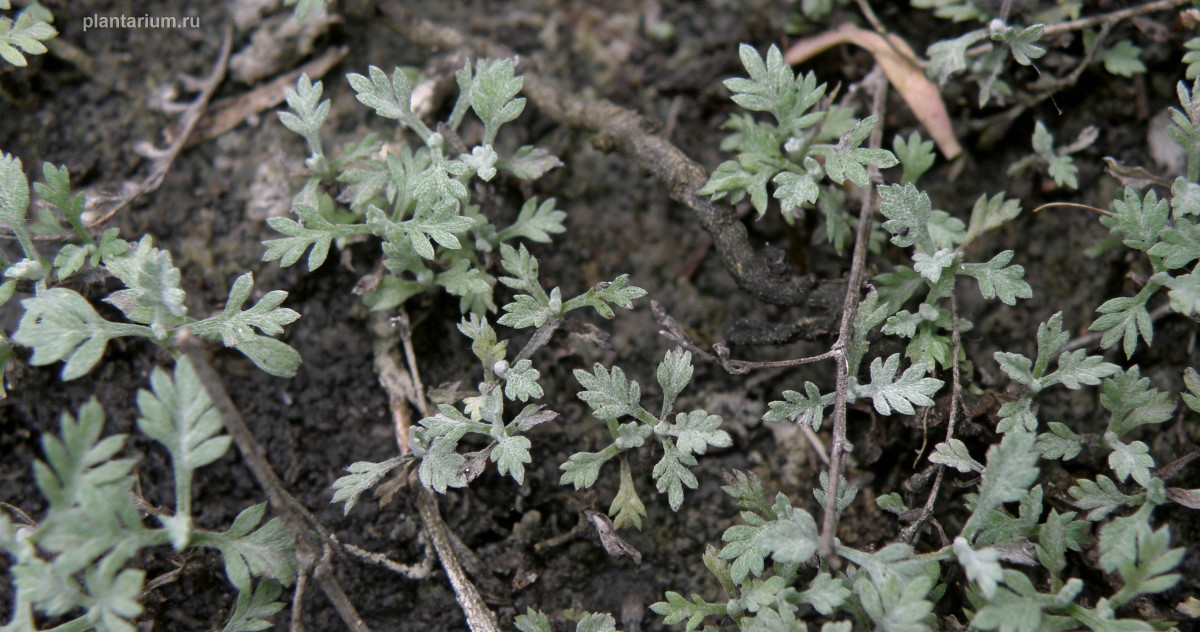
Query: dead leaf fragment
<point x="895" y="57"/>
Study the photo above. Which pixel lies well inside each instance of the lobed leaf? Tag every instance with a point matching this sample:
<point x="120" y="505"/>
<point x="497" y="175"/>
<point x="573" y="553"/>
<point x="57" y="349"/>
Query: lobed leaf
<point x="912" y="388"/>
<point x="363" y="476"/>
<point x="998" y="279"/>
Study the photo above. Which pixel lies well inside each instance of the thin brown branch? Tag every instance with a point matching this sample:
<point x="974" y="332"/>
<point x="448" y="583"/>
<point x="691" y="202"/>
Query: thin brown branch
<point x="841" y="446"/>
<point x="298" y="520"/>
<point x="480" y="618"/>
<point x="1098" y="211"/>
<point x="909" y="533"/>
<point x="1115" y="16"/>
<point x="768" y="279"/>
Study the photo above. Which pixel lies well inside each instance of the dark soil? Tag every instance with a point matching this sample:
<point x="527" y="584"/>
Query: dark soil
<point x="210" y="213"/>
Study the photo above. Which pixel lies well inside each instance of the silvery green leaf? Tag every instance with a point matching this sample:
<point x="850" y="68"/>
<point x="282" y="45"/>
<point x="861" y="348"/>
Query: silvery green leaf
<point x="439" y="224"/>
<point x="1184" y="293"/>
<point x="982" y="566"/>
<point x="533" y="621"/>
<point x="524" y="312"/>
<point x="521" y="382"/>
<point x="390" y="99"/>
<point x="59" y="324"/>
<point x="69" y="260"/>
<point x="536" y="222"/>
<point x="1100" y="497"/>
<point x="676" y="609"/>
<point x="915" y="155"/>
<point x="1050" y="339"/>
<point x="1139" y="221"/>
<point x="1055" y="536"/>
<point x="674" y="373"/>
<point x="671" y="474"/>
<point x="308" y="111"/>
<point x="907" y="210"/>
<point x="790" y="539"/>
<point x="946" y="230"/>
<point x="896" y="605"/>
<point x="1060" y="443"/>
<point x="932" y="266"/>
<point x="450" y="424"/>
<point x="632" y="435"/>
<point x="1124" y="318"/>
<point x="1185" y="198"/>
<point x="998" y="279"/>
<point x="1191" y="380"/>
<point x="441" y="467"/>
<point x="1178" y="245"/>
<point x="56" y="190"/>
<point x="1011" y="469"/>
<point x="264" y="552"/>
<point x="903" y="323"/>
<point x="511" y="454"/>
<point x="627" y="509"/>
<point x="303" y="9"/>
<point x="891" y="503"/>
<point x="947" y="57"/>
<point x="1148" y="571"/>
<point x="25" y="270"/>
<point x="78" y="458"/>
<point x="234" y="325"/>
<point x="773" y="87"/>
<point x="472" y="284"/>
<point x="808" y="408"/>
<point x="825" y="593"/>
<point x="252" y="609"/>
<point x="954" y="453"/>
<point x="896" y="287"/>
<point x="596" y="622"/>
<point x="530" y="163"/>
<point x="522" y="266"/>
<point x="530" y="416"/>
<point x="794" y="190"/>
<point x="846" y="493"/>
<point x="153" y="296"/>
<point x="366" y="180"/>
<point x="1133" y="402"/>
<point x="1121" y="59"/>
<point x="179" y="414"/>
<point x="363" y="476"/>
<point x="736" y="180"/>
<point x="1132" y="459"/>
<point x="848" y="161"/>
<point x="270" y="355"/>
<point x="697" y="430"/>
<point x="989" y="213"/>
<point x="890" y="393"/>
<point x="25" y="34"/>
<point x="1076" y="369"/>
<point x="492" y="95"/>
<point x="314" y="231"/>
<point x="583" y="468"/>
<point x="482" y="160"/>
<point x="483" y="340"/>
<point x="1021" y="42"/>
<point x="618" y="292"/>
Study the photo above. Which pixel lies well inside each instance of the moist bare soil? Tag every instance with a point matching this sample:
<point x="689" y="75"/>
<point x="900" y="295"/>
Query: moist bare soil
<point x="664" y="59"/>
